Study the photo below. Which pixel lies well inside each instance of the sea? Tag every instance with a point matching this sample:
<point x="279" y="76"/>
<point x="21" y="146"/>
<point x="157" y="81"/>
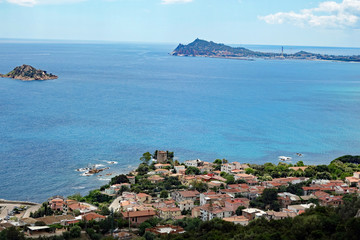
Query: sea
<point x="114" y="101"/>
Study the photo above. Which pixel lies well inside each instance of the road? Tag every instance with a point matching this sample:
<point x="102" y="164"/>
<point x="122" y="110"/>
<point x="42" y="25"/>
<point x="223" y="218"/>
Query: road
<point x="31" y="209"/>
<point x="7" y="207"/>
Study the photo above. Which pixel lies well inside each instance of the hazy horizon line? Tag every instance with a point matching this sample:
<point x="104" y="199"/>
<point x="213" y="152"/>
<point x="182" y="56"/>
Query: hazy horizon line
<point x="77" y="41"/>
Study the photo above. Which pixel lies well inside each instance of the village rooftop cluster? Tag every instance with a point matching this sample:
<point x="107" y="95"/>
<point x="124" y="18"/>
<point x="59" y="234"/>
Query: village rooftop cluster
<point x="163" y="188"/>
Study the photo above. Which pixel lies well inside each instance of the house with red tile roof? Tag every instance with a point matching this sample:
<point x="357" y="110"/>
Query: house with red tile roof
<point x="210" y="211"/>
<point x="186" y="205"/>
<point x="138" y="217"/>
<point x="208" y="197"/>
<point x="234" y="204"/>
<point x="169" y="213"/>
<point x="217" y="178"/>
<point x="155" y="179"/>
<point x="163" y="204"/>
<point x="57" y="204"/>
<point x="320" y="194"/>
<point x="93" y="216"/>
<point x="352" y="181"/>
<point x="330" y="200"/>
<point x="216" y="184"/>
<point x="162" y="171"/>
<point x="244" y="176"/>
<point x="161" y="165"/>
<point x="82" y="207"/>
<point x="179" y="196"/>
<point x="143" y="198"/>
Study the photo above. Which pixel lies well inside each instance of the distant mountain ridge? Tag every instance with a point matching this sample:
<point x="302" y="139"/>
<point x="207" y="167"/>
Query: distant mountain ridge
<point x="203" y="48"/>
<point x="28" y="73"/>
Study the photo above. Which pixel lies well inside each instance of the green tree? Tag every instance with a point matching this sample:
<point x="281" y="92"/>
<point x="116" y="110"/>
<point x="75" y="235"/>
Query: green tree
<point x="218" y="161"/>
<point x="170" y="155"/>
<point x="149" y="236"/>
<point x="300" y="164"/>
<point x="199" y="186"/>
<point x="40" y="223"/>
<point x="76" y="196"/>
<point x="164" y="194"/>
<point x="104" y="210"/>
<point x="217" y="164"/>
<point x="146" y="157"/>
<point x="75" y="231"/>
<point x="230" y="179"/>
<point x="11" y="233"/>
<point x="192" y="171"/>
<point x="349" y="159"/>
<point x="239" y="210"/>
<point x="77" y="212"/>
<point x="124" y="189"/>
<point x="155" y="154"/>
<point x="249" y="171"/>
<point x="119" y="179"/>
<point x="268" y="200"/>
<point x="142" y="169"/>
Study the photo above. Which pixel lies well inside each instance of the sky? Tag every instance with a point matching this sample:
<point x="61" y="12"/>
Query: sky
<point x="266" y="22"/>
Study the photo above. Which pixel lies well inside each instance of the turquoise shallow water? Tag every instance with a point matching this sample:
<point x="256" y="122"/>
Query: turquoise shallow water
<point x="112" y="102"/>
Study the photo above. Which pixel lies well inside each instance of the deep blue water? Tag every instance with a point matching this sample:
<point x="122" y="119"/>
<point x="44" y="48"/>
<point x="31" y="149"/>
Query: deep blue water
<point x="114" y="102"/>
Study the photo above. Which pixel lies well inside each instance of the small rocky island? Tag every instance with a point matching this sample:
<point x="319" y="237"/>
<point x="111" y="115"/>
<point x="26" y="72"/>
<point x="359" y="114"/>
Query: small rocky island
<point x="28" y="73"/>
<point x="202" y="48"/>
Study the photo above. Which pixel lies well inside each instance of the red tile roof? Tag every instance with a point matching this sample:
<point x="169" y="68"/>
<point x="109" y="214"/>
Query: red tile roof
<point x="189" y="193"/>
<point x="142" y="195"/>
<point x="146" y="213"/>
<point x="92" y="216"/>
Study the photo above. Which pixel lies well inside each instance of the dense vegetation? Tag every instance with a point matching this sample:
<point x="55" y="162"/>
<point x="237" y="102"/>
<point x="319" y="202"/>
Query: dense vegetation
<point x="335" y="170"/>
<point x="94" y="197"/>
<point x="349" y="159"/>
<point x="44" y="210"/>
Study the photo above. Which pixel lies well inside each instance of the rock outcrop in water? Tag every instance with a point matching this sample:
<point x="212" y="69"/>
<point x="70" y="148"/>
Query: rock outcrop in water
<point x="202" y="48"/>
<point x="28" y="73"/>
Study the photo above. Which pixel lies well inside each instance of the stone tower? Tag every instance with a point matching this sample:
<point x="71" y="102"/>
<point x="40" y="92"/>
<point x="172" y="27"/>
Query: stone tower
<point x="161" y="157"/>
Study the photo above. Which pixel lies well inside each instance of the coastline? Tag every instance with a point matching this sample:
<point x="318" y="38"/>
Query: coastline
<point x="203" y="48"/>
<point x="265" y="58"/>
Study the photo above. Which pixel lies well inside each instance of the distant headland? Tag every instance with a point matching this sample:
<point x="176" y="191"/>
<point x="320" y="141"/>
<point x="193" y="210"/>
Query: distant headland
<point x="28" y="73"/>
<point x="203" y="48"/>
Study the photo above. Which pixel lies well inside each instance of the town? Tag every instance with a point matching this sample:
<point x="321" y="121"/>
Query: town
<point x="162" y="197"/>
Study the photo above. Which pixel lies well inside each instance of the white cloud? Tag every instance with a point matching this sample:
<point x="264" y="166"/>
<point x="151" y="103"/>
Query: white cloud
<point x="26" y="3"/>
<point x="31" y="3"/>
<point x="175" y="1"/>
<point x="327" y="14"/>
